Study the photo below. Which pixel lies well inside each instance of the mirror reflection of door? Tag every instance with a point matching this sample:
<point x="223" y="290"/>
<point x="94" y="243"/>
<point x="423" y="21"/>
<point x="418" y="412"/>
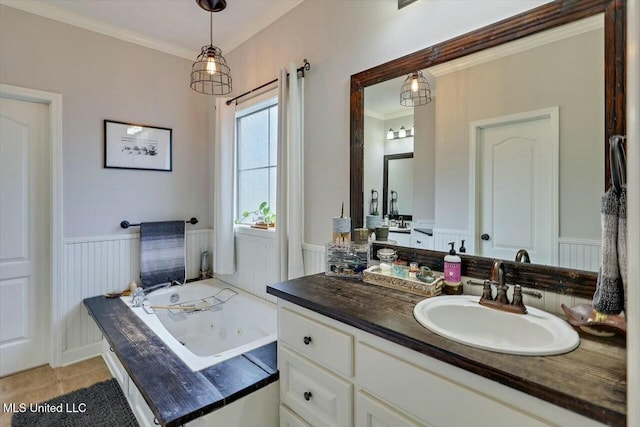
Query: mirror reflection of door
<point x="398" y="185"/>
<point x="516" y="159"/>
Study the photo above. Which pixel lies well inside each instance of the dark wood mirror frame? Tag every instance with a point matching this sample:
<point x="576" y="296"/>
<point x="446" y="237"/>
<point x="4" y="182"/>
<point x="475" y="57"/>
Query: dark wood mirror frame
<point x="559" y="12"/>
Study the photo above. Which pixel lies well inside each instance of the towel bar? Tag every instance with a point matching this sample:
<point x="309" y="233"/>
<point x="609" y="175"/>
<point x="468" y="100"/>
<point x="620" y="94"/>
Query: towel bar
<point x="126" y="224"/>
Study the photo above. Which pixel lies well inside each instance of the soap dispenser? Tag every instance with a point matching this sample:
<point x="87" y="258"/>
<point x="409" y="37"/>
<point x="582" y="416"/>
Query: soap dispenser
<point x="452" y="272"/>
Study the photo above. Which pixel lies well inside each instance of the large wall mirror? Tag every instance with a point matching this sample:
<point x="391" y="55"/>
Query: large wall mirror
<point x="511" y="152"/>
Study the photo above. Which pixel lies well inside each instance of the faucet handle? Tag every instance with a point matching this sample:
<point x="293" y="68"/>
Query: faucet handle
<point x="487" y="291"/>
<point x="517" y="296"/>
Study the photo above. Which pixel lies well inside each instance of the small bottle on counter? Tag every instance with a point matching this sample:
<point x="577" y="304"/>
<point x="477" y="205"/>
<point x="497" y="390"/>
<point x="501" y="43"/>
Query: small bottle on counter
<point x="413" y="270"/>
<point x="452" y="272"/>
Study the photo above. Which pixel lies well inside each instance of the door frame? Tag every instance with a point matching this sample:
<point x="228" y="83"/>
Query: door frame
<point x="553" y="113"/>
<point x="54" y="103"/>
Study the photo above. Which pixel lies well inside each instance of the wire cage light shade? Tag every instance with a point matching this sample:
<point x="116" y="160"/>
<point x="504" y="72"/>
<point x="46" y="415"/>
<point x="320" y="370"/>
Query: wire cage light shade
<point x="415" y="90"/>
<point x="210" y="74"/>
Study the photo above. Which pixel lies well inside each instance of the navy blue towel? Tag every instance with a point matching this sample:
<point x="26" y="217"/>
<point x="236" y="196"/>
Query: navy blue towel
<point x="162" y="253"/>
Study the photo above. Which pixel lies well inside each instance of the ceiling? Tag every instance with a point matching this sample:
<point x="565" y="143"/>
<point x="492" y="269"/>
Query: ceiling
<point x="179" y="27"/>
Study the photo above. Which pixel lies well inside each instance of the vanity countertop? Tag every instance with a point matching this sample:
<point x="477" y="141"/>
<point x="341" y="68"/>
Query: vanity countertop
<point x="590" y="380"/>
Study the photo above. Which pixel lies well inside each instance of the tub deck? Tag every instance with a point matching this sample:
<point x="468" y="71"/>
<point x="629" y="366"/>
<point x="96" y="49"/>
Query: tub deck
<point x="174" y="393"/>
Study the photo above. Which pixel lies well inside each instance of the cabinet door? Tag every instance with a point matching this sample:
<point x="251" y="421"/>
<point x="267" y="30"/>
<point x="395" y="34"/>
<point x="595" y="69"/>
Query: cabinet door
<point x="371" y="412"/>
<point x="115" y="367"/>
<point x="431" y="397"/>
<point x="289" y="419"/>
<point x="321" y="398"/>
<point x="401" y="239"/>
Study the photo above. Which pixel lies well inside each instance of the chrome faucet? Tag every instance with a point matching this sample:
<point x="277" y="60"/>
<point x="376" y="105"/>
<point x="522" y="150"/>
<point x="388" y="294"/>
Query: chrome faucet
<point x="138" y="297"/>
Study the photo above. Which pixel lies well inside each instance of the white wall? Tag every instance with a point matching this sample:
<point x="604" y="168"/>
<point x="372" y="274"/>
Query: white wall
<point x="100" y="78"/>
<point x="424" y="158"/>
<point x="341" y="38"/>
<point x="374" y="143"/>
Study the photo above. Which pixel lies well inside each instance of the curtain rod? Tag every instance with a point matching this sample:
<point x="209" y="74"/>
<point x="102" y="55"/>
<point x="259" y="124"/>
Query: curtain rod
<point x="305" y="67"/>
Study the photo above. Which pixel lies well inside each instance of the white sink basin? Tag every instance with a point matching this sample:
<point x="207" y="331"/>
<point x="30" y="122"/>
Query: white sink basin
<point x="460" y="318"/>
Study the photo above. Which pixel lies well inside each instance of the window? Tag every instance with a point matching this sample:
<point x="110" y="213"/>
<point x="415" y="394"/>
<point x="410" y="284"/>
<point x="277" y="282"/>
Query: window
<point x="256" y="163"/>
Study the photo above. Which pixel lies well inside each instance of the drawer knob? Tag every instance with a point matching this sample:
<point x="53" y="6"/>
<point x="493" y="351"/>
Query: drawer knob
<point x="307" y="395"/>
<point x="307" y="341"/>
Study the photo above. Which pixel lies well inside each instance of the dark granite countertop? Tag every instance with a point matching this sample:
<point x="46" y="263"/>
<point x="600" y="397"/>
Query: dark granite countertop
<point x="175" y="393"/>
<point x="590" y="380"/>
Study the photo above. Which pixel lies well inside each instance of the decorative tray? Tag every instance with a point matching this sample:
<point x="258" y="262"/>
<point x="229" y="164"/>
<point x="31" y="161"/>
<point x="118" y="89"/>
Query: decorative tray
<point x="375" y="276"/>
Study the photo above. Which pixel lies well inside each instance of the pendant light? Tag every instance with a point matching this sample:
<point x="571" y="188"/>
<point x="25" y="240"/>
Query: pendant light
<point x="210" y="74"/>
<point x="415" y="90"/>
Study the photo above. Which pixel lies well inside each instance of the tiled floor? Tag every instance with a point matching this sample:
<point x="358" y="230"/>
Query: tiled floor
<point x="44" y="383"/>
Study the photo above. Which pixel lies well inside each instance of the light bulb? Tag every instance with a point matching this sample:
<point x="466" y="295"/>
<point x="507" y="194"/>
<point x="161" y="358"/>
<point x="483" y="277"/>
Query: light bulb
<point x="390" y="134"/>
<point x="211" y="65"/>
<point x="402" y="133"/>
<point x="414" y="83"/>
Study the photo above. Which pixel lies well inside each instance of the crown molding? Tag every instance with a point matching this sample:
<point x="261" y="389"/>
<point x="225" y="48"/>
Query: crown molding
<point x="45" y="10"/>
<point x="550" y="36"/>
<point x="375" y="115"/>
<point x="398" y="114"/>
<point x="275" y="12"/>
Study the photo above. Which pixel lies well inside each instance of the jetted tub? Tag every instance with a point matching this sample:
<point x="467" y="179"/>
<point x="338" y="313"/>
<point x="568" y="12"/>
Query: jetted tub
<point x="203" y="330"/>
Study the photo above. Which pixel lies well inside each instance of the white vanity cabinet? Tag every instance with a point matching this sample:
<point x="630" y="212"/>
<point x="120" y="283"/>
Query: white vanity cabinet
<point x="354" y="378"/>
<point x="401" y="238"/>
<point x="315" y="361"/>
<point x="421" y="240"/>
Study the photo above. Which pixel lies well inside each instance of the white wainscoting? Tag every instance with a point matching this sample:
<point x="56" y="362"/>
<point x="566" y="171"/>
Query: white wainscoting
<point x="442" y="237"/>
<point x="314" y="259"/>
<point x="100" y="264"/>
<point x="581" y="254"/>
<point x="255" y="263"/>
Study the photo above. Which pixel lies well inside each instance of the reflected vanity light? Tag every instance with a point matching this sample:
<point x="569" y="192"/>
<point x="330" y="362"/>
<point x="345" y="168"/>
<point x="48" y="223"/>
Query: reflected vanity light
<point x="402" y="133"/>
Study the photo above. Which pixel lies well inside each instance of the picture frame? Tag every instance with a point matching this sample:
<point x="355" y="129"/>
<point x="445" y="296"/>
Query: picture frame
<point x="135" y="146"/>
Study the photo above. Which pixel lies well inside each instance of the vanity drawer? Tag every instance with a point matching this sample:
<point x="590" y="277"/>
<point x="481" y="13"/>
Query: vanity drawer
<point x="321" y="398"/>
<point x="319" y="342"/>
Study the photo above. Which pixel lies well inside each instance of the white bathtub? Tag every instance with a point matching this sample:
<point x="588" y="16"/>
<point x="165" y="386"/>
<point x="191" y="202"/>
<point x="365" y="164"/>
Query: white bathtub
<point x="204" y="338"/>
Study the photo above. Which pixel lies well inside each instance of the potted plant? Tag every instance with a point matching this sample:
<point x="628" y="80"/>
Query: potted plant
<point x="341" y="227"/>
<point x="263" y="217"/>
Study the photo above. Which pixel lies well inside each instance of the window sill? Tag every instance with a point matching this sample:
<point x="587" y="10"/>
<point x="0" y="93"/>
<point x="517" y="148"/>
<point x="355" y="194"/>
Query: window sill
<point x="247" y="230"/>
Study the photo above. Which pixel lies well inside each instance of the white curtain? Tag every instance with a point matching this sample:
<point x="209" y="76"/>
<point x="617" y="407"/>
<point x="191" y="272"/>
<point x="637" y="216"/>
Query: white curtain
<point x="224" y="185"/>
<point x="289" y="203"/>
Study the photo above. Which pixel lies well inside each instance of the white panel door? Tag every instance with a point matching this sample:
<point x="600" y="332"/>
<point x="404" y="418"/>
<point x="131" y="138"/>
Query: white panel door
<point x="25" y="242"/>
<point x="516" y="188"/>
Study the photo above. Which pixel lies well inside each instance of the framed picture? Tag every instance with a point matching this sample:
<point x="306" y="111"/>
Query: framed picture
<point x="131" y="146"/>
